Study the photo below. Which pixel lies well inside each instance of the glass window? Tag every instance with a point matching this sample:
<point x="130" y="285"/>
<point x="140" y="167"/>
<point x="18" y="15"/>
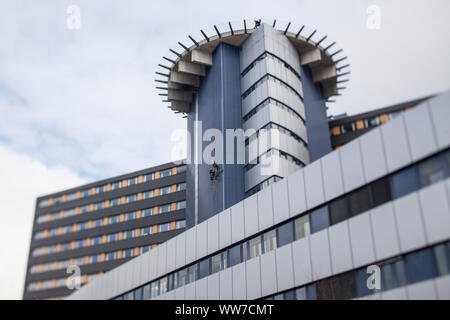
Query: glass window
<point x="430" y="171"/>
<point x="420" y="266"/>
<point x="204" y="268"/>
<point x="193" y="273"/>
<point x="404" y="182"/>
<point x="380" y="192"/>
<point x="146" y="292"/>
<point x="359" y="201"/>
<point x="320" y="219"/>
<point x="218" y="262"/>
<point x="361" y="277"/>
<point x="301" y="227"/>
<point x="300" y="293"/>
<point x="339" y="210"/>
<point x="442" y="259"/>
<point x="163" y="285"/>
<point x="285" y="234"/>
<point x="393" y="275"/>
<point x="182" y="276"/>
<point x="147" y="212"/>
<point x="155" y="289"/>
<point x="235" y="255"/>
<point x="254" y="246"/>
<point x="181" y="205"/>
<point x="270" y="240"/>
<point x="137" y="294"/>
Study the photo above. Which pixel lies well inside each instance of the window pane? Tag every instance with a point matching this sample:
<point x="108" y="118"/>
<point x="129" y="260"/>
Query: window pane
<point x="344" y="286"/>
<point x="270" y="240"/>
<point x="193" y="272"/>
<point x="235" y="255"/>
<point x="301" y="227"/>
<point x="381" y="192"/>
<point x="420" y="266"/>
<point x="440" y="252"/>
<point x="285" y="234"/>
<point x="361" y="277"/>
<point x="359" y="201"/>
<point x="203" y="268"/>
<point x="254" y="247"/>
<point x="300" y="294"/>
<point x="182" y="277"/>
<point x="216" y="263"/>
<point x="146" y="294"/>
<point x="430" y="171"/>
<point x="404" y="182"/>
<point x="320" y="219"/>
<point x="137" y="294"/>
<point x="339" y="210"/>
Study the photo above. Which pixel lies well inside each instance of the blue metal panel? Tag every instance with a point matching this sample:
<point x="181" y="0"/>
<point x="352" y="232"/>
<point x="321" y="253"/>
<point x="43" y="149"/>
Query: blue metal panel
<point x="219" y="107"/>
<point x="319" y="140"/>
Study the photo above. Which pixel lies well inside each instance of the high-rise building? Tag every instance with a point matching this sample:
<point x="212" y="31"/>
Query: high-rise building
<point x="296" y="217"/>
<point x="101" y="225"/>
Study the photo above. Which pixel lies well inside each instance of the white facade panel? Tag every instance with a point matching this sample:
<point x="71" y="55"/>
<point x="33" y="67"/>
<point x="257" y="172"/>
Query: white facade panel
<point x="201" y="289"/>
<point x="314" y="185"/>
<point x="436" y="212"/>
<point x="395" y="144"/>
<point x="239" y="282"/>
<point x="189" y="291"/>
<point x="280" y="194"/>
<point x="179" y="293"/>
<point x="268" y="272"/>
<point x="443" y="287"/>
<point x="285" y="267"/>
<point x="237" y="222"/>
<point x="162" y="259"/>
<point x="384" y="231"/>
<point x="420" y="132"/>
<point x="409" y="222"/>
<point x="332" y="175"/>
<point x="180" y="259"/>
<point x="424" y="290"/>
<point x="191" y="242"/>
<point x="374" y="159"/>
<point x="213" y="287"/>
<point x="253" y="277"/>
<point x="202" y="239"/>
<point x="302" y="262"/>
<point x="213" y="234"/>
<point x="297" y="196"/>
<point x="361" y="240"/>
<point x="251" y="215"/>
<point x="395" y="294"/>
<point x="171" y="254"/>
<point x="320" y="255"/>
<point x="265" y="212"/>
<point x="225" y="228"/>
<point x="341" y="253"/>
<point x="226" y="284"/>
<point x="352" y="169"/>
<point x="440" y="113"/>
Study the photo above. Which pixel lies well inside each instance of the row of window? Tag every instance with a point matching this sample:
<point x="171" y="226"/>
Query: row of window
<point x="399" y="184"/>
<point x="269" y="77"/>
<point x="239" y="253"/>
<point x="365" y="123"/>
<point x="290" y="231"/>
<point x="274" y="126"/>
<point x="59" y="283"/>
<point x="274" y="58"/>
<point x="111" y="203"/>
<point x="398" y="272"/>
<point x="273" y="102"/>
<point x="264" y="158"/>
<point x="263" y="185"/>
<point x="125" y="253"/>
<point x="77" y="244"/>
<point x="111" y="186"/>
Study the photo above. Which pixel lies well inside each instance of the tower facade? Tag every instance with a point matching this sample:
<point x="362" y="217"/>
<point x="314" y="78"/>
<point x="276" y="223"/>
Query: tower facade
<point x="255" y="105"/>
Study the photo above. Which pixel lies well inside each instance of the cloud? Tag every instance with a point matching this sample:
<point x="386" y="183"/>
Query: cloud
<point x="23" y="179"/>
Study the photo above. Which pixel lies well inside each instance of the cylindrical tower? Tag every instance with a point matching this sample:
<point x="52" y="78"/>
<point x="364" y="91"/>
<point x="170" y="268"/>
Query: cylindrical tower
<point x="254" y="99"/>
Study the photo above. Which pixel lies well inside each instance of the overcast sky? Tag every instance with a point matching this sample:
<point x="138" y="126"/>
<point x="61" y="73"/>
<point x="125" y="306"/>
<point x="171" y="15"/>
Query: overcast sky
<point x="80" y="105"/>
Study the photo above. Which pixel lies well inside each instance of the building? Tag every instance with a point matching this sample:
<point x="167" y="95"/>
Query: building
<point x="307" y="229"/>
<point x="346" y="128"/>
<point x="102" y="225"/>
